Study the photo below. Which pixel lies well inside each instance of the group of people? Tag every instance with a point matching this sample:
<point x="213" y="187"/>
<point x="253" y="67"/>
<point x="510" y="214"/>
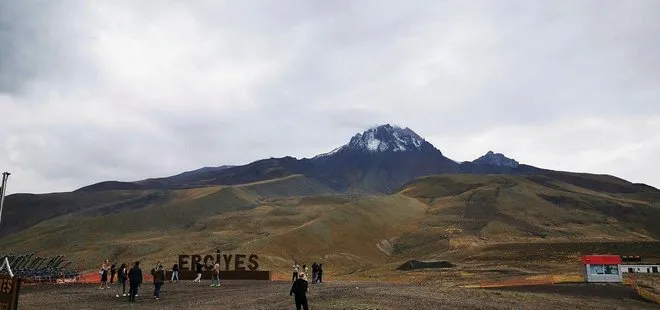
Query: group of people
<point x="317" y="272"/>
<point x="300" y="285"/>
<point x="133" y="276"/>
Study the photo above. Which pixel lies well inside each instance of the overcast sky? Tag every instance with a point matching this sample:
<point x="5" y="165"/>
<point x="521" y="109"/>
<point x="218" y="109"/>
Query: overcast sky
<point x="126" y="90"/>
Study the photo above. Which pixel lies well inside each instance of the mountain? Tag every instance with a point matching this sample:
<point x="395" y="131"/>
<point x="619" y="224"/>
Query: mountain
<point x="496" y="159"/>
<point x="497" y="163"/>
<point x="385" y="138"/>
<point x="378" y="160"/>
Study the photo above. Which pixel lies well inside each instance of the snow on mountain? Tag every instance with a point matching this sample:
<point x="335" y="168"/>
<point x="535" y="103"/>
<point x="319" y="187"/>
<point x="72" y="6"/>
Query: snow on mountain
<point x="497" y="159"/>
<point x="384" y="138"/>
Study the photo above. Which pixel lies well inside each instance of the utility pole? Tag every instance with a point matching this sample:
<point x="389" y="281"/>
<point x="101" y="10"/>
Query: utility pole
<point x="3" y="190"/>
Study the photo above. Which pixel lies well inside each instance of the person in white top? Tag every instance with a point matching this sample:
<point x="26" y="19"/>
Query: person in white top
<point x="295" y="271"/>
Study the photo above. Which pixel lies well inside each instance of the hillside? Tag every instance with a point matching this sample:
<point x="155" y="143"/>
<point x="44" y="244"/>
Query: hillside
<point x="461" y="217"/>
<point x="25" y="210"/>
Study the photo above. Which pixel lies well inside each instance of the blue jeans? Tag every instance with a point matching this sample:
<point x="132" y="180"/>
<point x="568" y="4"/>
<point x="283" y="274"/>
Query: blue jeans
<point x="157" y="289"/>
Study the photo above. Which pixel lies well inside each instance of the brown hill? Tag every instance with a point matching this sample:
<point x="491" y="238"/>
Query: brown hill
<point x="448" y="217"/>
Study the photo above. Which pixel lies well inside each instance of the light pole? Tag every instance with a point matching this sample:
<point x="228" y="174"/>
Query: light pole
<point x="3" y="190"/>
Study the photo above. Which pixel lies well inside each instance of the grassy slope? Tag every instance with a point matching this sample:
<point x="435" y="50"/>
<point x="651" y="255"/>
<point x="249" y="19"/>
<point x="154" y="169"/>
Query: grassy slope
<point x="457" y="217"/>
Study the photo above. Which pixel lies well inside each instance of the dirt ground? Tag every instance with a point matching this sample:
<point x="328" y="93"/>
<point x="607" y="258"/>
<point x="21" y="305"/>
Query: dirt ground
<point x="346" y="295"/>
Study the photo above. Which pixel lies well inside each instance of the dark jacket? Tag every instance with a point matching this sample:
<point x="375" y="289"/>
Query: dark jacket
<point x="175" y="267"/>
<point x="199" y="267"/>
<point x="299" y="287"/>
<point x="135" y="275"/>
<point x="121" y="274"/>
<point x="159" y="275"/>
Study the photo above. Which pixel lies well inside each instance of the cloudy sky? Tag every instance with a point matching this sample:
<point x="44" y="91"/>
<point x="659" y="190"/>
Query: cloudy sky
<point x="125" y="90"/>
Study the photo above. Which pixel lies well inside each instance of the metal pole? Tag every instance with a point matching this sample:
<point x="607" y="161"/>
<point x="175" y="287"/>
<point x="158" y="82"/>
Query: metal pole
<point x="3" y="190"/>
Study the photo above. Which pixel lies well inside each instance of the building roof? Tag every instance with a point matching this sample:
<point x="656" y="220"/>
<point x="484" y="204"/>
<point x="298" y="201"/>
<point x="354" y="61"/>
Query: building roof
<point x="601" y="259"/>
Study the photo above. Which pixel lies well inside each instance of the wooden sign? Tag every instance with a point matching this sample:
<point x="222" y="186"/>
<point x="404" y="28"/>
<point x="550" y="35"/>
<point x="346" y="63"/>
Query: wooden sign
<point x="9" y="287"/>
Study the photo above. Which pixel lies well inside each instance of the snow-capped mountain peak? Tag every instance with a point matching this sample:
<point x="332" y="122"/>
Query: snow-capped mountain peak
<point x="383" y="138"/>
<point x="497" y="159"/>
<point x="386" y="138"/>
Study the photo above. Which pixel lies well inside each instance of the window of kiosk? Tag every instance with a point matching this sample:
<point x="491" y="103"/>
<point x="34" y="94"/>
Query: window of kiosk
<point x="604" y="269"/>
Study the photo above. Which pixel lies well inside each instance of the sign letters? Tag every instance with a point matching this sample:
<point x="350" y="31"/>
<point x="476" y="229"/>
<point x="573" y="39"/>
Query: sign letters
<point x="227" y="262"/>
<point x="9" y="288"/>
<point x="232" y="266"/>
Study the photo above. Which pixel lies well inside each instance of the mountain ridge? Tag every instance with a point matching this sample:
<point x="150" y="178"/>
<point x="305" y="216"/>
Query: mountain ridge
<point x="377" y="160"/>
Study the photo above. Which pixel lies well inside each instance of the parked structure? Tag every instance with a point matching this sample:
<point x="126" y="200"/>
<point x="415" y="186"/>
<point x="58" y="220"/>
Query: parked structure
<point x="641" y="268"/>
<point x="602" y="268"/>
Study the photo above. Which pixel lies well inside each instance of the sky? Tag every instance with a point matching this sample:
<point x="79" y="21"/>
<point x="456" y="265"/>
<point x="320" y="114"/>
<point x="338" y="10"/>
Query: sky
<point x="131" y="89"/>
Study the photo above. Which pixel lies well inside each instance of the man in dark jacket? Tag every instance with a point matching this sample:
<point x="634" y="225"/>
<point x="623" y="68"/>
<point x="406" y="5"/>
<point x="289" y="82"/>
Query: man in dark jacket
<point x="113" y="270"/>
<point x="135" y="278"/>
<point x="300" y="289"/>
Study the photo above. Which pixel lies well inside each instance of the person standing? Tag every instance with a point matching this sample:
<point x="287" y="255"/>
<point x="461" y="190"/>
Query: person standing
<point x="295" y="271"/>
<point x="315" y="272"/>
<point x="159" y="279"/>
<point x="320" y="280"/>
<point x="198" y="266"/>
<point x="122" y="275"/>
<point x="216" y="275"/>
<point x="305" y="269"/>
<point x="135" y="278"/>
<point x="300" y="288"/>
<point x="175" y="272"/>
<point x="113" y="270"/>
<point x="104" y="275"/>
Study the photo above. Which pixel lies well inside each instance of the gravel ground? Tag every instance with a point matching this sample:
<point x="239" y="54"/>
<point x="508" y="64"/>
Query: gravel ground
<point x="274" y="295"/>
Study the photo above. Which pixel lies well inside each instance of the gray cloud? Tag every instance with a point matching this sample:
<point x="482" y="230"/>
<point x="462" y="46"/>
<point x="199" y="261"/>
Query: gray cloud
<point x="133" y="89"/>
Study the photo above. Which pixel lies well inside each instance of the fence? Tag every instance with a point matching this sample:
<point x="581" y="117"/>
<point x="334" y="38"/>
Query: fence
<point x="646" y="293"/>
<point x="36" y="269"/>
<point x="533" y="280"/>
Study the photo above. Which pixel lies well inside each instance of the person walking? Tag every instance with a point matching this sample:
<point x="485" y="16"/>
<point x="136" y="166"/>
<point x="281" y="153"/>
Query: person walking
<point x="113" y="270"/>
<point x="122" y="276"/>
<point x="295" y="271"/>
<point x="216" y="275"/>
<point x="135" y="278"/>
<point x="175" y="273"/>
<point x="159" y="279"/>
<point x="198" y="266"/>
<point x="300" y="288"/>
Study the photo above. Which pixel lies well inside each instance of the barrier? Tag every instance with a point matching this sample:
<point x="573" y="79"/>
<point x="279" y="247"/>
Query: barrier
<point x="518" y="282"/>
<point x="533" y="280"/>
<point x="36" y="269"/>
<point x="644" y="292"/>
